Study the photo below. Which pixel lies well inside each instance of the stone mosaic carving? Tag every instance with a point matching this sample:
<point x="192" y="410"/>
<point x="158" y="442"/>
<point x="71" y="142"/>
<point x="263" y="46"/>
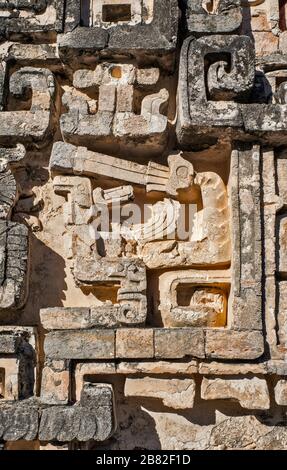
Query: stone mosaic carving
<point x="143" y="225"/>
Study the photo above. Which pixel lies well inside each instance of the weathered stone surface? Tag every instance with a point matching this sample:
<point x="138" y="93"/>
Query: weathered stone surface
<point x="234" y="344"/>
<point x="281" y="393"/>
<point x="221" y="17"/>
<point x="221" y="368"/>
<point x="252" y="393"/>
<point x="55" y="384"/>
<point x="14" y="264"/>
<point x="174" y="393"/>
<point x="19" y="421"/>
<point x="91" y="344"/>
<point x="27" y="126"/>
<point x="178" y="343"/>
<point x="91" y="419"/>
<point x="24" y="18"/>
<point x="135" y="343"/>
<point x="149" y="28"/>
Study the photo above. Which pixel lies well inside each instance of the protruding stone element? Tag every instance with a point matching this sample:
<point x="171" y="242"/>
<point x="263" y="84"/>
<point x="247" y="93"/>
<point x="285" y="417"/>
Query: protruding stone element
<point x="283" y="245"/>
<point x="221" y="16"/>
<point x="135" y="344"/>
<point x="252" y="393"/>
<point x="216" y="104"/>
<point x="174" y="393"/>
<point x="246" y="345"/>
<point x="205" y="107"/>
<point x="27" y="18"/>
<point x="55" y="383"/>
<point x="90" y="344"/>
<point x="14" y="264"/>
<point x="8" y="188"/>
<point x="19" y="421"/>
<point x="194" y="298"/>
<point x="35" y="124"/>
<point x="9" y="377"/>
<point x="179" y="343"/>
<point x="91" y="419"/>
<point x="281" y="393"/>
<point x="115" y="120"/>
<point x="140" y="29"/>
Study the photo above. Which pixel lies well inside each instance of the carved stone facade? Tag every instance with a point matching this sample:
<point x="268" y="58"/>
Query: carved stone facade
<point x="143" y="224"/>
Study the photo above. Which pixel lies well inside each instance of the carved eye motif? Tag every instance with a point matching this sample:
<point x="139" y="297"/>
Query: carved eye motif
<point x="182" y="172"/>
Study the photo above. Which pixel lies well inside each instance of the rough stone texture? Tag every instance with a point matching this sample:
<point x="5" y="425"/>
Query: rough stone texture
<point x="135" y="344"/>
<point x="281" y="393"/>
<point x="251" y="393"/>
<point x="174" y="393"/>
<point x="178" y="343"/>
<point x="153" y="30"/>
<point x="143" y="172"/>
<point x="96" y="344"/>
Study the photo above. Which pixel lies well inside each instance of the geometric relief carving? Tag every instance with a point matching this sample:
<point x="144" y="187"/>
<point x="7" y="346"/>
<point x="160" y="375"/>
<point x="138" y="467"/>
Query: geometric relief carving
<point x="142" y="29"/>
<point x="211" y="106"/>
<point x="274" y="179"/>
<point x="114" y="120"/>
<point x="187" y="298"/>
<point x="35" y="123"/>
<point x="20" y="18"/>
<point x="223" y="16"/>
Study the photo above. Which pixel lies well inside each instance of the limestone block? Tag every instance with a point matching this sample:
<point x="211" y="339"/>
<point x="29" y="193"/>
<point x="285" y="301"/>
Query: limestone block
<point x="227" y="344"/>
<point x="135" y="343"/>
<point x="92" y="418"/>
<point x="282" y="313"/>
<point x="158" y="367"/>
<point x="90" y="344"/>
<point x="251" y="393"/>
<point x="35" y="124"/>
<point x="19" y="421"/>
<point x="59" y="318"/>
<point x="222" y="16"/>
<point x="55" y="383"/>
<point x="9" y="382"/>
<point x="281" y="393"/>
<point x="134" y="27"/>
<point x="206" y="109"/>
<point x="115" y="120"/>
<point x="8" y="343"/>
<point x="22" y="18"/>
<point x="283" y="244"/>
<point x="14" y="264"/>
<point x="179" y="342"/>
<point x="174" y="393"/>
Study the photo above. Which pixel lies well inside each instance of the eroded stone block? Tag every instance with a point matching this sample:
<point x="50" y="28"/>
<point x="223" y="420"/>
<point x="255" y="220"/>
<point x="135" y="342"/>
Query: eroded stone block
<point x="174" y="393"/>
<point x="252" y="393"/>
<point x="30" y="18"/>
<point x="178" y="343"/>
<point x="142" y="29"/>
<point x="135" y="343"/>
<point x="35" y="124"/>
<point x="281" y="393"/>
<point x="55" y="383"/>
<point x="90" y="344"/>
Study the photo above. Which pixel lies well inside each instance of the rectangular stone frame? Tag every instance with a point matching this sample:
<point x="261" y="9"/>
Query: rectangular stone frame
<point x="242" y="339"/>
